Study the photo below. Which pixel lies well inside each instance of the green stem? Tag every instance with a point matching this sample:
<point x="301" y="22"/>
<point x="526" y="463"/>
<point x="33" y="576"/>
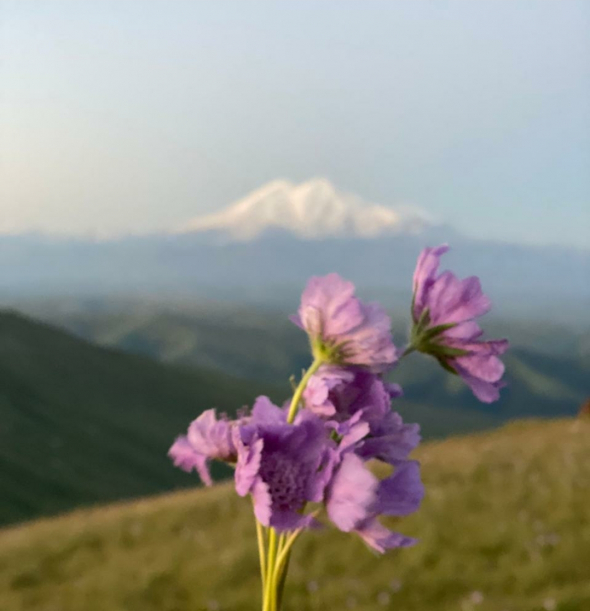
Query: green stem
<point x="261" y="553"/>
<point x="281" y="565"/>
<point x="281" y="582"/>
<point x="300" y="388"/>
<point x="283" y="556"/>
<point x="270" y="591"/>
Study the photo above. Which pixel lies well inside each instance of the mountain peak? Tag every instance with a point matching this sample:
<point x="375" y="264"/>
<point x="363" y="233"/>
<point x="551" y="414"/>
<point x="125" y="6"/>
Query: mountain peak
<point x="312" y="210"/>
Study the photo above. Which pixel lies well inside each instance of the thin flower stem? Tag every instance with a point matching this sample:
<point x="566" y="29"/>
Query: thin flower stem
<point x="281" y="582"/>
<point x="270" y="591"/>
<point x="300" y="388"/>
<point x="284" y="554"/>
<point x="276" y="575"/>
<point x="261" y="552"/>
<point x="282" y="539"/>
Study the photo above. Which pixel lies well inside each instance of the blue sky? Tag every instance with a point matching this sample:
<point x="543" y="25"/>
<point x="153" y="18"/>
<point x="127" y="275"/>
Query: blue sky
<point x="121" y="117"/>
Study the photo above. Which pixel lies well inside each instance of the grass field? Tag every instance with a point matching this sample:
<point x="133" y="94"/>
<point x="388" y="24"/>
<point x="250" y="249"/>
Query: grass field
<point x="505" y="527"/>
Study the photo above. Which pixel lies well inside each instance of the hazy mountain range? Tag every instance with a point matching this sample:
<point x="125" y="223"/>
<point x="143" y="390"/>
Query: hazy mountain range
<point x="263" y="248"/>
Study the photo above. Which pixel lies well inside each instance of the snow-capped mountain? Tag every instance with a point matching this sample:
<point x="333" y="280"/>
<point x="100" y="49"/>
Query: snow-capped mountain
<point x="312" y="210"/>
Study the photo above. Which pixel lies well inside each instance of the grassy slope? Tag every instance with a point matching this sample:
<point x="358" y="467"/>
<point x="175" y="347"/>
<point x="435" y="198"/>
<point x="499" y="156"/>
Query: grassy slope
<point x="505" y="526"/>
<point x="81" y="424"/>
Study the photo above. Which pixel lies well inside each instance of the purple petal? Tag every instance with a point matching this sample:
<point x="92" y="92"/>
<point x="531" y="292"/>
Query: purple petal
<point x="353" y="431"/>
<point x="318" y="485"/>
<point x="248" y="465"/>
<point x="289" y="520"/>
<point x="485" y="368"/>
<point x="424" y="275"/>
<point x="352" y="493"/>
<point x="451" y="300"/>
<point x="487" y="392"/>
<point x="380" y="538"/>
<point x="354" y="332"/>
<point x="264" y="412"/>
<point x="401" y="493"/>
<point x="391" y="440"/>
<point x="483" y="362"/>
<point x="186" y="458"/>
<point x="329" y="299"/>
<point x="262" y="502"/>
<point x="370" y="342"/>
<point x="466" y="331"/>
<point x="316" y="394"/>
<point x="212" y="437"/>
<point x="393" y="390"/>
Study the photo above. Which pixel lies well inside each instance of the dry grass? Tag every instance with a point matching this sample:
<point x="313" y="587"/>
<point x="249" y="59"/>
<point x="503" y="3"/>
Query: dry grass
<point x="505" y="527"/>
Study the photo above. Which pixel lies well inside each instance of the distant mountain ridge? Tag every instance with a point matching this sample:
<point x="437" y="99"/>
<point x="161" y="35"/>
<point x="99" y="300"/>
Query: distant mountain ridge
<point x="265" y="247"/>
<point x="311" y="210"/>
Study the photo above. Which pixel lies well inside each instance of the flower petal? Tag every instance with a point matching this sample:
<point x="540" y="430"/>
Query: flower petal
<point x="401" y="493"/>
<point x="186" y="458"/>
<point x="381" y="539"/>
<point x="352" y="493"/>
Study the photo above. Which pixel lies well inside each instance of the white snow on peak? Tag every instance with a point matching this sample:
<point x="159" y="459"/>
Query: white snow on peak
<point x="311" y="210"/>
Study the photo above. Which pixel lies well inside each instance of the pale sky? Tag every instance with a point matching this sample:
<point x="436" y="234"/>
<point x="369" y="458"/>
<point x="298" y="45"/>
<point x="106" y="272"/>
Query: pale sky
<point x="132" y="117"/>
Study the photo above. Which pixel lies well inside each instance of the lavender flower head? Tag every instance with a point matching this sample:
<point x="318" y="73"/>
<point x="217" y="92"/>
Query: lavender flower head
<point x="443" y="311"/>
<point x="342" y="329"/>
<point x="353" y="398"/>
<point x="284" y="466"/>
<point x="207" y="438"/>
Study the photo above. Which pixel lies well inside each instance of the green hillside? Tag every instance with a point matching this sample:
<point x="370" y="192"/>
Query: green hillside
<point x="81" y="424"/>
<point x="547" y="368"/>
<point x="505" y="526"/>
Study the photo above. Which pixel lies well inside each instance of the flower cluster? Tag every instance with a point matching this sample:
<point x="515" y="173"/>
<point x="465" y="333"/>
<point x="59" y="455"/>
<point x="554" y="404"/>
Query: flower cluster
<point x="315" y="449"/>
<point x="313" y="457"/>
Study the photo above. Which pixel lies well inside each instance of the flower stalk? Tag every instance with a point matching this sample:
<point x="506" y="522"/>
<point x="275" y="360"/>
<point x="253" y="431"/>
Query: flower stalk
<point x="296" y="400"/>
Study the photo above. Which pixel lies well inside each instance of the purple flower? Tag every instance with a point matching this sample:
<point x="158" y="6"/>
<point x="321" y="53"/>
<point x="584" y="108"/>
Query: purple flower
<point x="356" y="499"/>
<point x="354" y="398"/>
<point x="343" y="329"/>
<point x="390" y="439"/>
<point x="207" y="438"/>
<point x="284" y="466"/>
<point x="319" y="394"/>
<point x="443" y="310"/>
<point x="338" y="393"/>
